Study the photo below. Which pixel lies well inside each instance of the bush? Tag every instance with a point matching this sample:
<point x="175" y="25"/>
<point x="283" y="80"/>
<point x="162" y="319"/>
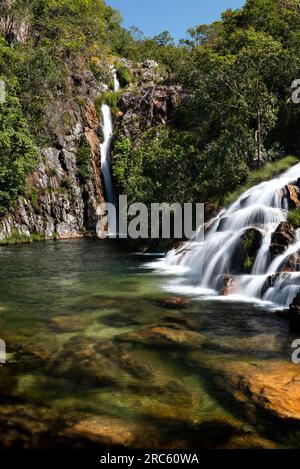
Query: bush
<point x="267" y="172"/>
<point x="294" y="217"/>
<point x="83" y="160"/>
<point x="18" y="154"/>
<point x="124" y="75"/>
<point x="110" y="98"/>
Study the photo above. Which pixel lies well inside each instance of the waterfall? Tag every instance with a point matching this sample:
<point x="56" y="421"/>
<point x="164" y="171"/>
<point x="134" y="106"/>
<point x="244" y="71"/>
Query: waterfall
<point x="206" y="264"/>
<point x="105" y="147"/>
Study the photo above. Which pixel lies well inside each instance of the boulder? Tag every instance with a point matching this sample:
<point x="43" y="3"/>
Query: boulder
<point x="293" y="195"/>
<point x="283" y="236"/>
<point x="293" y="263"/>
<point x="230" y="286"/>
<point x="210" y="211"/>
<point x="162" y="336"/>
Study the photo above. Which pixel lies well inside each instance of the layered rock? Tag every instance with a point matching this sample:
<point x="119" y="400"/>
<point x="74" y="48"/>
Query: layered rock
<point x="283" y="236"/>
<point x="58" y="203"/>
<point x="148" y="101"/>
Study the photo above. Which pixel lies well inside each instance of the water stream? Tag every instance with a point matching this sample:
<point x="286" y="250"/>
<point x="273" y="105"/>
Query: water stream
<point x="107" y="129"/>
<point x="207" y="263"/>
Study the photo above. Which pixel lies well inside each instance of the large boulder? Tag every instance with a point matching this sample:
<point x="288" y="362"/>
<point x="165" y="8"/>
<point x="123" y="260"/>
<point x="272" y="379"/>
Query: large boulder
<point x="291" y="193"/>
<point x="283" y="236"/>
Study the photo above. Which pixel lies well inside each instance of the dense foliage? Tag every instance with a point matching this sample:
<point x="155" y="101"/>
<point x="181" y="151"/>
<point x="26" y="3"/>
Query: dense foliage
<point x="238" y="72"/>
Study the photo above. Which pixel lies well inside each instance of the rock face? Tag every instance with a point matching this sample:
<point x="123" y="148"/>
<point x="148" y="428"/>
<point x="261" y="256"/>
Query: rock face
<point x="148" y="101"/>
<point x="283" y="236"/>
<point x="59" y="204"/>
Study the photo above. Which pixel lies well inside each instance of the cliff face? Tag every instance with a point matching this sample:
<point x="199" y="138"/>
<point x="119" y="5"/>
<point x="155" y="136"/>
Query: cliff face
<point x="148" y="101"/>
<point x="59" y="203"/>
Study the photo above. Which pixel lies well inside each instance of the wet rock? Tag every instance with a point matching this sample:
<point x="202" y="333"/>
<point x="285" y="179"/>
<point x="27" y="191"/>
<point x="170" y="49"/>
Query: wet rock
<point x="164" y="336"/>
<point x="271" y="386"/>
<point x="249" y="442"/>
<point x="177" y="302"/>
<point x="210" y="211"/>
<point x="107" y="430"/>
<point x="292" y="194"/>
<point x="118" y="320"/>
<point x="69" y="323"/>
<point x="292" y="264"/>
<point x="79" y="358"/>
<point x="23" y="425"/>
<point x="104" y="430"/>
<point x="230" y="286"/>
<point x="283" y="236"/>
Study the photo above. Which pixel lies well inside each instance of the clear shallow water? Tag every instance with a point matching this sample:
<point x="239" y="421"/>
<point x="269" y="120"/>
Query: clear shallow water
<point x="88" y="338"/>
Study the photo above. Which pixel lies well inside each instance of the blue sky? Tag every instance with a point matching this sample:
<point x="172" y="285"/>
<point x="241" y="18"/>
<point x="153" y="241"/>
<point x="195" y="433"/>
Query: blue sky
<point x="176" y="16"/>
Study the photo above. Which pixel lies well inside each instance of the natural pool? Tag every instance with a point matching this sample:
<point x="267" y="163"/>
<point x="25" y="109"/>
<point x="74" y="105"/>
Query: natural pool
<point x="96" y="356"/>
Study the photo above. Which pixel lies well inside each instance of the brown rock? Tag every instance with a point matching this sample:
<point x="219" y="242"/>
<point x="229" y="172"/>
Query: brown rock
<point x="174" y="302"/>
<point x="164" y="336"/>
<point x="283" y="236"/>
<point x="230" y="286"/>
<point x="104" y="430"/>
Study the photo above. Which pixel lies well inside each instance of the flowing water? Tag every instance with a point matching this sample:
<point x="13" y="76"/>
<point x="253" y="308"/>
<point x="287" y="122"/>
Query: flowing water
<point x="105" y="148"/>
<point x="89" y="338"/>
<point x="205" y="264"/>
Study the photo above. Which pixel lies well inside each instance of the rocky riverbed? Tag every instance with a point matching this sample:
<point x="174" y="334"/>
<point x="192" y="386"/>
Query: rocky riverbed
<point x="98" y="354"/>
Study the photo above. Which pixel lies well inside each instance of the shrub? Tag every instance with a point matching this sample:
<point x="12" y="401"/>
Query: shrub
<point x="83" y="159"/>
<point x="294" y="217"/>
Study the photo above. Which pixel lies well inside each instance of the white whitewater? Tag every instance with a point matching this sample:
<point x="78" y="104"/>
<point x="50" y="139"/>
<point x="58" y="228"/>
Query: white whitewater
<point x="105" y="147"/>
<point x="205" y="264"/>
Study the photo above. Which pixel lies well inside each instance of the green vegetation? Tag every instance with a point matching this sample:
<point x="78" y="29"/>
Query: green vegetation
<point x="124" y="75"/>
<point x="83" y="160"/>
<point x="294" y="217"/>
<point x="18" y="238"/>
<point x="18" y="154"/>
<point x="239" y="121"/>
<point x="231" y="133"/>
<point x="266" y="173"/>
<point x="111" y="98"/>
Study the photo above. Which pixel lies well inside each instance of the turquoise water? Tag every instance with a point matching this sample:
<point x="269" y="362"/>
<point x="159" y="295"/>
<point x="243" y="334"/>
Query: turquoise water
<point x="95" y="356"/>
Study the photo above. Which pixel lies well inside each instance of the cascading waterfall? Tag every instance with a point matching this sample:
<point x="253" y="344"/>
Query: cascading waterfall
<point x="207" y="263"/>
<point x="105" y="147"/>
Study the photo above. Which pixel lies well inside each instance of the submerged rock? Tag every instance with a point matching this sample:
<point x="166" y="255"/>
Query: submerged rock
<point x="177" y="302"/>
<point x="164" y="336"/>
<point x="69" y="323"/>
<point x="104" y="430"/>
<point x="272" y="386"/>
<point x="23" y="425"/>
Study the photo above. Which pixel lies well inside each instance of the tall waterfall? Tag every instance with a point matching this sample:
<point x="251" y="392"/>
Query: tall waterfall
<point x="105" y="147"/>
<point x="207" y="263"/>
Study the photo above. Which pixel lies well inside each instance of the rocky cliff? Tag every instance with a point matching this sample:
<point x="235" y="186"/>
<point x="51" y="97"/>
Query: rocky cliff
<point x="61" y="202"/>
